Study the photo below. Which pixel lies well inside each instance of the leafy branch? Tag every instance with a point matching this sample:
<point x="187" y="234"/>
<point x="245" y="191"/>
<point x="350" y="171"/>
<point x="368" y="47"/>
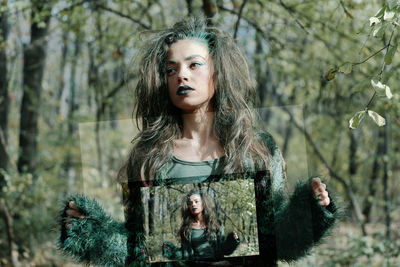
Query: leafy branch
<point x="380" y="21"/>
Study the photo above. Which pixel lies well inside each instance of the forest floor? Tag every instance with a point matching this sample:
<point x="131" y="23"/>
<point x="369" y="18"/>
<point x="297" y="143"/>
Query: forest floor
<point x="347" y="247"/>
<point x="344" y="247"/>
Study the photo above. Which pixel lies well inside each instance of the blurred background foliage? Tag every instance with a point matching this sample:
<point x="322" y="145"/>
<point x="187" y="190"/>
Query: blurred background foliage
<point x="67" y="69"/>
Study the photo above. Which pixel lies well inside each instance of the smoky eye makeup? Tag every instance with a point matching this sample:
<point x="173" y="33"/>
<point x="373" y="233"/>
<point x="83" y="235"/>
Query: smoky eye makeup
<point x="196" y="64"/>
<point x="169" y="71"/>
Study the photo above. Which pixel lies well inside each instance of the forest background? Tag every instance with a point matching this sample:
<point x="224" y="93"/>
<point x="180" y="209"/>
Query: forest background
<point x="326" y="74"/>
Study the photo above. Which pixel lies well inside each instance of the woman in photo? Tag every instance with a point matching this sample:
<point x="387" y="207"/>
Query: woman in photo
<point x="202" y="236"/>
<point x="193" y="104"/>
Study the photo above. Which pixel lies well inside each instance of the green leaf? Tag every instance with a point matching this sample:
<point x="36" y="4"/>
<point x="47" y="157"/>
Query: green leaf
<point x="373" y="21"/>
<point x="389" y="15"/>
<point x="392" y="3"/>
<point x="330" y="75"/>
<point x="381" y="89"/>
<point x="378" y="119"/>
<point x="356" y="119"/>
<point x="380" y="12"/>
<point x="346" y="68"/>
<point x="390" y="54"/>
<point x="379" y="31"/>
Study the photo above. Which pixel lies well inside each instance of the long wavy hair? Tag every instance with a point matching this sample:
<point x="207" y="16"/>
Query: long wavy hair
<point x="159" y="121"/>
<point x="210" y="219"/>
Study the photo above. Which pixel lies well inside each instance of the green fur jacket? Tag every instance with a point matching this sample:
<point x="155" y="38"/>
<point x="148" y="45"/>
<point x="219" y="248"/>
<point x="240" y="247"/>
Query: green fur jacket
<point x="288" y="226"/>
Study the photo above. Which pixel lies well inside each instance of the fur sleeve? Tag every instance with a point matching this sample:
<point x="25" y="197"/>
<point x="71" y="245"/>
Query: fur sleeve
<point x="97" y="239"/>
<point x="230" y="244"/>
<point x="299" y="221"/>
<point x="171" y="251"/>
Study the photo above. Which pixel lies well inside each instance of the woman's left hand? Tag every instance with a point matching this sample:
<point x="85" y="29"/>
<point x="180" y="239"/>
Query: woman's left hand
<point x="319" y="190"/>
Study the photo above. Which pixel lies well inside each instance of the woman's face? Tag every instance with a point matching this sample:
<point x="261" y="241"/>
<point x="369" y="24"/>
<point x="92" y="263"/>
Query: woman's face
<point x="189" y="69"/>
<point x="195" y="204"/>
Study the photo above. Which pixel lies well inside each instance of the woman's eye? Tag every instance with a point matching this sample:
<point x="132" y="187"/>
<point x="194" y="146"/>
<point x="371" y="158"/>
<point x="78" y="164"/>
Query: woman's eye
<point x="195" y="65"/>
<point x="170" y="71"/>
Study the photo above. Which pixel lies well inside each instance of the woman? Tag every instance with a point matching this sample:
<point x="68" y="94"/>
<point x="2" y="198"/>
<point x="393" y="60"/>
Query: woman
<point x="202" y="237"/>
<point x="193" y="102"/>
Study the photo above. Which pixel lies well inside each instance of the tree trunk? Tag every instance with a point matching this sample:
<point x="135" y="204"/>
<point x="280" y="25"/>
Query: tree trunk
<point x="386" y="176"/>
<point x="336" y="145"/>
<point x="61" y="85"/>
<point x="4" y="99"/>
<point x="289" y="128"/>
<point x="94" y="84"/>
<point x="72" y="107"/>
<point x="369" y="199"/>
<point x="151" y="211"/>
<point x="163" y="205"/>
<point x="209" y="9"/>
<point x="8" y="220"/>
<point x="261" y="77"/>
<point x="34" y="62"/>
<point x="352" y="154"/>
<point x="244" y="229"/>
<point x="189" y="6"/>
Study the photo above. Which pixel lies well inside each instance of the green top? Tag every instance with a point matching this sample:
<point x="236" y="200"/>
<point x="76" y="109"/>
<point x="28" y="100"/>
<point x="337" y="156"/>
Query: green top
<point x="195" y="172"/>
<point x="202" y="248"/>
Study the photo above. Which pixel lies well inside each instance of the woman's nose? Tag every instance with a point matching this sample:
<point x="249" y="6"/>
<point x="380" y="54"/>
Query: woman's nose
<point x="182" y="75"/>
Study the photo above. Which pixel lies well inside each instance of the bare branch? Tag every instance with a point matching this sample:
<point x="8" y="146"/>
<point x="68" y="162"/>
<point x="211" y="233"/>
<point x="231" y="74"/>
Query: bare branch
<point x="253" y="24"/>
<point x="292" y="12"/>
<point x="123" y="16"/>
<point x="239" y="17"/>
<point x="112" y="93"/>
<point x="369" y="57"/>
<point x="348" y="14"/>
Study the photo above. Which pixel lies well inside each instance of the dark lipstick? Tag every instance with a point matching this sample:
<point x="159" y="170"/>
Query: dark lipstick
<point x="184" y="89"/>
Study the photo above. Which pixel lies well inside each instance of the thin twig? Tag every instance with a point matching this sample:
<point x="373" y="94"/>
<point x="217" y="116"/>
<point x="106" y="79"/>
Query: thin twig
<point x="370" y="101"/>
<point x="345" y="10"/>
<point x="253" y="24"/>
<point x="113" y="92"/>
<point x="239" y="17"/>
<point x="292" y="12"/>
<point x="123" y="15"/>
<point x="369" y="57"/>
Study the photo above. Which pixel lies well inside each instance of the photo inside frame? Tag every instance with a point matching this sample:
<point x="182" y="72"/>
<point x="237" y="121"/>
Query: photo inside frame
<point x="232" y="203"/>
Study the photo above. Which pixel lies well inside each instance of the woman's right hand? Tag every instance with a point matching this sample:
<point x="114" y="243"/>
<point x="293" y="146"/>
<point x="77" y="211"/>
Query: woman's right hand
<point x="72" y="211"/>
